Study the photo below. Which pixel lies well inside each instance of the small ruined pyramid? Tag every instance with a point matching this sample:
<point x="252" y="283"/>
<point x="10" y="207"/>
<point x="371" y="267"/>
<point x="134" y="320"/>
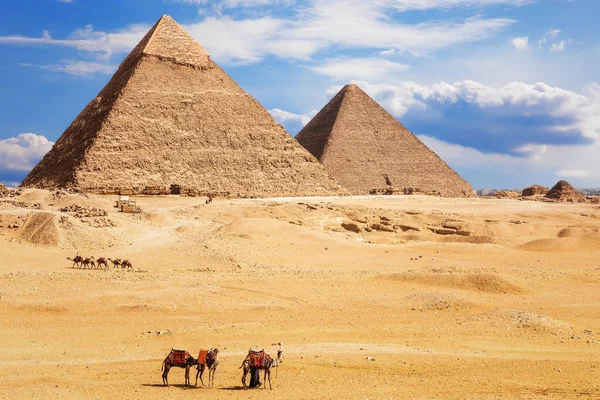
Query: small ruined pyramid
<point x="171" y="116"/>
<point x="563" y="191"/>
<point x="534" y="190"/>
<point x="367" y="150"/>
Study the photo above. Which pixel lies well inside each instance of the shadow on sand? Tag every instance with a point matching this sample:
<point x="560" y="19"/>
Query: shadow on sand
<point x="192" y="387"/>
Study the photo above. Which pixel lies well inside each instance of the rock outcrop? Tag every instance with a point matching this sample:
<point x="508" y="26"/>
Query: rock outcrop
<point x="535" y="190"/>
<point x="367" y="150"/>
<point x="170" y="117"/>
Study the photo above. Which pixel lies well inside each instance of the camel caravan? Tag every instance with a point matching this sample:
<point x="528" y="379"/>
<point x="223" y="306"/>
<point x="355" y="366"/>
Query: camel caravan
<point x="254" y="362"/>
<point x="100" y="263"/>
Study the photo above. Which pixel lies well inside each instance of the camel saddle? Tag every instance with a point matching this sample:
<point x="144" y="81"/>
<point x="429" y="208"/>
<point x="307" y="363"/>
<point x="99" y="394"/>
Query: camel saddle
<point x="259" y="359"/>
<point x="202" y="357"/>
<point x="179" y="358"/>
<point x="210" y="358"/>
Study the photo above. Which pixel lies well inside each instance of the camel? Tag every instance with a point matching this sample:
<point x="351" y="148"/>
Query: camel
<point x="126" y="264"/>
<point x="76" y="261"/>
<point x="89" y="261"/>
<point x="212" y="362"/>
<point x="181" y="359"/>
<point x="102" y="261"/>
<point x="116" y="262"/>
<point x="267" y="363"/>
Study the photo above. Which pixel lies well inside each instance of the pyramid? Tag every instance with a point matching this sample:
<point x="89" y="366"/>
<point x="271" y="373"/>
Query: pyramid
<point x="563" y="191"/>
<point x="171" y="116"/>
<point x="367" y="150"/>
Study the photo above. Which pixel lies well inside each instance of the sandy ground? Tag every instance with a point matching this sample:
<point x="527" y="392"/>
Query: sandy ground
<point x="510" y="309"/>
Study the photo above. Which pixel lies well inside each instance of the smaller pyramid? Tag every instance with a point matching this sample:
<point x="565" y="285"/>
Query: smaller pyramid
<point x="534" y="190"/>
<point x="564" y="192"/>
<point x="367" y="150"/>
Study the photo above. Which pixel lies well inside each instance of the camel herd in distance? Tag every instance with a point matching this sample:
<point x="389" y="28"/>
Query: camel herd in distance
<point x="100" y="263"/>
<point x="255" y="361"/>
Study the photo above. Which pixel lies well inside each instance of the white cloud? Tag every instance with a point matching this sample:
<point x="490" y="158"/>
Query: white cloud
<point x="284" y="117"/>
<point x="320" y="25"/>
<point x="574" y="173"/>
<point x="525" y="99"/>
<point x="291" y="121"/>
<point x="359" y="68"/>
<point x="521" y="43"/>
<point x="21" y="153"/>
<point x="407" y="5"/>
<point x="77" y="68"/>
<point x="559" y="46"/>
<point x="575" y="163"/>
<point x="86" y="39"/>
<point x="551" y="34"/>
<point x="10" y="184"/>
<point x="238" y="3"/>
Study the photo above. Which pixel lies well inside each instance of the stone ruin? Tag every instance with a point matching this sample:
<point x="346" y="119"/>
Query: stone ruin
<point x="534" y="190"/>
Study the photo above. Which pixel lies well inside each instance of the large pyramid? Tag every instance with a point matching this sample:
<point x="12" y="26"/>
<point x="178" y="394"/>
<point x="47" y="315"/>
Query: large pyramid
<point x="171" y="116"/>
<point x="366" y="149"/>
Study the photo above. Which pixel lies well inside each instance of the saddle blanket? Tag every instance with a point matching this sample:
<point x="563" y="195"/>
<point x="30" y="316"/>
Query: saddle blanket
<point x="179" y="357"/>
<point x="259" y="359"/>
<point x="202" y="357"/>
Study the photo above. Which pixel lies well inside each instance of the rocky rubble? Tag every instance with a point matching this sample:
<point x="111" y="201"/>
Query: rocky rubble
<point x="84" y="212"/>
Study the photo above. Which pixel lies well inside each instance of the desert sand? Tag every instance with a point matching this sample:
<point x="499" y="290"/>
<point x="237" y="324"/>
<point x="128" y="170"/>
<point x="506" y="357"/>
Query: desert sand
<point x="499" y="299"/>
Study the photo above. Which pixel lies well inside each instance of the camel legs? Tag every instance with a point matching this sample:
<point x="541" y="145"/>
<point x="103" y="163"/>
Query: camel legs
<point x="187" y="375"/>
<point x="267" y="373"/>
<point x="211" y="376"/>
<point x="199" y="373"/>
<point x="165" y="374"/>
<point x="244" y="378"/>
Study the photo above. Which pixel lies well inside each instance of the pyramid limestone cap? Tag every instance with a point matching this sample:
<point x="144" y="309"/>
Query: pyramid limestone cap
<point x="168" y="40"/>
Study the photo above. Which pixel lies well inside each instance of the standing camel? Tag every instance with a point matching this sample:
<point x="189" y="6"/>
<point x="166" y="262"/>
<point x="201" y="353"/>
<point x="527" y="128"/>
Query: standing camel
<point x="76" y="261"/>
<point x="212" y="362"/>
<point x="126" y="264"/>
<point x="260" y="360"/>
<point x="177" y="358"/>
<point x="102" y="262"/>
<point x="116" y="262"/>
<point x="89" y="261"/>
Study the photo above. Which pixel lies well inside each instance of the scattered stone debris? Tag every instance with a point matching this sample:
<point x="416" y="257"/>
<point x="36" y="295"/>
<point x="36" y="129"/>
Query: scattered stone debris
<point x="84" y="212"/>
<point x="518" y="221"/>
<point x="158" y="333"/>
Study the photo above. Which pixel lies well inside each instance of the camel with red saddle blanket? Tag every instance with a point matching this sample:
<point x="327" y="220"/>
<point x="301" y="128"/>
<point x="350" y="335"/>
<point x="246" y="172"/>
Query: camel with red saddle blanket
<point x="261" y="360"/>
<point x="180" y="359"/>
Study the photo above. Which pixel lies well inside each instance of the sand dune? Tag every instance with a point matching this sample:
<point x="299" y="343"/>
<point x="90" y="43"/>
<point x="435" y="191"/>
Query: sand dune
<point x="507" y="311"/>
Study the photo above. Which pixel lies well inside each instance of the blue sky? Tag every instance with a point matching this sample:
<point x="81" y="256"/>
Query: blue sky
<point x="505" y="91"/>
